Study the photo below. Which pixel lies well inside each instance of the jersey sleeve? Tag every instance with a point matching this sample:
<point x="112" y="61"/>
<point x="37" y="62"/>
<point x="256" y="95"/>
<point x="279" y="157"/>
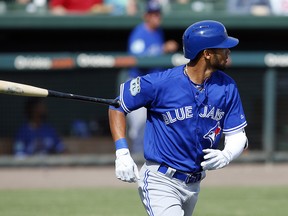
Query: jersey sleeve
<point x="136" y="93"/>
<point x="235" y="118"/>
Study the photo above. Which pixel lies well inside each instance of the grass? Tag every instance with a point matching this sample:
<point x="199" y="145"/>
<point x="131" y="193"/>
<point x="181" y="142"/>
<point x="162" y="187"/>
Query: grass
<point x="244" y="201"/>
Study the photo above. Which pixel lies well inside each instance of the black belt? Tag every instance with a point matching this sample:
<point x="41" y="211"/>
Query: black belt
<point x="185" y="177"/>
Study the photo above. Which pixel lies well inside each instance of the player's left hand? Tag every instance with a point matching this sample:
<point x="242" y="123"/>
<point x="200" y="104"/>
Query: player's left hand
<point x="125" y="167"/>
<point x="170" y="46"/>
<point x="214" y="159"/>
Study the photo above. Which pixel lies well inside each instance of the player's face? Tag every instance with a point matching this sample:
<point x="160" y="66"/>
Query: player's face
<point x="153" y="19"/>
<point x="219" y="58"/>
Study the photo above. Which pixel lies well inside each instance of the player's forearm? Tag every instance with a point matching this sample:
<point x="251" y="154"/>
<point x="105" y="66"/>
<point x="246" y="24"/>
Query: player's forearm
<point x="117" y="122"/>
<point x="235" y="144"/>
<point x="125" y="167"/>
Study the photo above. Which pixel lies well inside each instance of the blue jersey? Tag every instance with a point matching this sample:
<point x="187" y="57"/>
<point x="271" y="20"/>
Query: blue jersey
<point x="182" y="120"/>
<point x="144" y="42"/>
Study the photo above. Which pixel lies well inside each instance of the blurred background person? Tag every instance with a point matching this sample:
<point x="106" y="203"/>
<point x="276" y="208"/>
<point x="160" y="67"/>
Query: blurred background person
<point x="246" y="7"/>
<point x="36" y="136"/>
<point x="122" y="7"/>
<point x="146" y="39"/>
<point x="30" y="6"/>
<point x="62" y="7"/>
<point x="23" y="2"/>
<point x="279" y="7"/>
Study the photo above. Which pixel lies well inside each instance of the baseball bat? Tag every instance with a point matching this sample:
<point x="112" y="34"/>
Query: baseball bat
<point x="13" y="88"/>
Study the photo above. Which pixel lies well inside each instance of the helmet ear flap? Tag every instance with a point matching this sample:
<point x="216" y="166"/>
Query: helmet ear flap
<point x="206" y="34"/>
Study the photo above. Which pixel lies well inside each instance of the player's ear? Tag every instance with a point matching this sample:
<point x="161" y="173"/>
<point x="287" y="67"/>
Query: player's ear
<point x="207" y="53"/>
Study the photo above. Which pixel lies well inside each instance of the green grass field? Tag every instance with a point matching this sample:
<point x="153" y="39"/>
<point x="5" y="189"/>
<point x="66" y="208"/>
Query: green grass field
<point x="240" y="201"/>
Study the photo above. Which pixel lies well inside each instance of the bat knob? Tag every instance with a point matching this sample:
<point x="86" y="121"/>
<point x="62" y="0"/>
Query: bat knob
<point x="117" y="103"/>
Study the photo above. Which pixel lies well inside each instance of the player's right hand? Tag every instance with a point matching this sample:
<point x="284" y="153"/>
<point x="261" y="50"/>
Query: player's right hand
<point x="125" y="167"/>
<point x="215" y="159"/>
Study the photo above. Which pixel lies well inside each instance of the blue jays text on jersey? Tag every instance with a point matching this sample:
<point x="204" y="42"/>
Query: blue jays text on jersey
<point x="182" y="119"/>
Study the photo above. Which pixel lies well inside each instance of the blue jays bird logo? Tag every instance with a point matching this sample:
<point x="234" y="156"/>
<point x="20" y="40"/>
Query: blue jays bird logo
<point x="213" y="133"/>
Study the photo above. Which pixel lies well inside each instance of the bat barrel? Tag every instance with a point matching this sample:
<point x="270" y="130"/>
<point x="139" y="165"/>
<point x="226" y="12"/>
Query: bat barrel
<point x="12" y="88"/>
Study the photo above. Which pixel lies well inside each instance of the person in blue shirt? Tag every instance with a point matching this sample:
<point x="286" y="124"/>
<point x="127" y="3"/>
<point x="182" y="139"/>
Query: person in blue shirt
<point x="36" y="136"/>
<point x="146" y="39"/>
<point x="189" y="108"/>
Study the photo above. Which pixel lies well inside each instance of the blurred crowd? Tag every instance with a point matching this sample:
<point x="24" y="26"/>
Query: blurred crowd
<point x="136" y="7"/>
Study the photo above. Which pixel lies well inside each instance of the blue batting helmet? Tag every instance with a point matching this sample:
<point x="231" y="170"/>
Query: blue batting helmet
<point x="204" y="35"/>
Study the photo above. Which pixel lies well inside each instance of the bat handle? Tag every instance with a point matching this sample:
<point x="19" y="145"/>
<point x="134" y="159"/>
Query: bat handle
<point x="115" y="102"/>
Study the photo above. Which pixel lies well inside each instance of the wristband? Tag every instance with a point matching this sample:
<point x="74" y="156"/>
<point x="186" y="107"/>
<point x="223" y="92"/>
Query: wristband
<point x="121" y="143"/>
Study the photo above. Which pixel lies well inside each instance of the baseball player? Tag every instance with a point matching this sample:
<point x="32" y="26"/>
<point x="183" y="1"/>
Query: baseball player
<point x="189" y="107"/>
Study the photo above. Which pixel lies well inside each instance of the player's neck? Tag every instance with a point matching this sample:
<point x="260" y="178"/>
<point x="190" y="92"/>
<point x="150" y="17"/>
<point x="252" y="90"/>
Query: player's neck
<point x="150" y="27"/>
<point x="197" y="73"/>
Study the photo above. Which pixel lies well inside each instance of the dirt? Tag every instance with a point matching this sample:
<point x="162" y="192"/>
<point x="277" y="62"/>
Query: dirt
<point x="87" y="177"/>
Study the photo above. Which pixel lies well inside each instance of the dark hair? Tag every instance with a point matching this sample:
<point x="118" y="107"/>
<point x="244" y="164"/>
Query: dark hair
<point x="153" y="7"/>
<point x="30" y="104"/>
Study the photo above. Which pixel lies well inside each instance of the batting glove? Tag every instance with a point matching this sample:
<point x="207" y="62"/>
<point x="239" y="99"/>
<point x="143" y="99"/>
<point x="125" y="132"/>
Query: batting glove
<point x="234" y="145"/>
<point x="215" y="159"/>
<point x="125" y="167"/>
